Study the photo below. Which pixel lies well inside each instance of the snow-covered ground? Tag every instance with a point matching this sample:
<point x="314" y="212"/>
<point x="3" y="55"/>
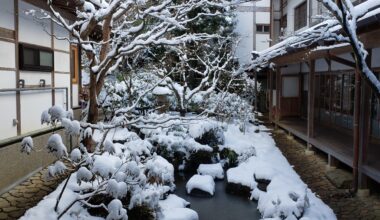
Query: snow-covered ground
<point x="287" y="194"/>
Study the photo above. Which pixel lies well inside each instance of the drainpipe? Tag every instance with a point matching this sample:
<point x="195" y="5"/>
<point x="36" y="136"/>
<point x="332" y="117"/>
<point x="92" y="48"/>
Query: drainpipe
<point x="355" y="165"/>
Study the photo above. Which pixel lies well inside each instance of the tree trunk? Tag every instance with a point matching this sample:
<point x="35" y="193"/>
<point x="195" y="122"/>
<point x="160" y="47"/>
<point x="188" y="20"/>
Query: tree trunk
<point x="92" y="114"/>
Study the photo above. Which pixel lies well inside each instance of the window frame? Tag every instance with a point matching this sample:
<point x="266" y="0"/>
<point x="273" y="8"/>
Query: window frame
<point x="37" y="60"/>
<point x="262" y="27"/>
<point x="297" y="18"/>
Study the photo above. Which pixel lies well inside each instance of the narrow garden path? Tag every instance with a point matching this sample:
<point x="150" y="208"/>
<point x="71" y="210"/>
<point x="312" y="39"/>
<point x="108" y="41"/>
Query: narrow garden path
<point x="18" y="200"/>
<point x="312" y="169"/>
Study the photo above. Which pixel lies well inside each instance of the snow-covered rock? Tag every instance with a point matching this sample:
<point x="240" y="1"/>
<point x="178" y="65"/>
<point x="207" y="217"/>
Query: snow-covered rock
<point x="202" y="182"/>
<point x="214" y="170"/>
<point x="179" y="214"/>
<point x="174" y="208"/>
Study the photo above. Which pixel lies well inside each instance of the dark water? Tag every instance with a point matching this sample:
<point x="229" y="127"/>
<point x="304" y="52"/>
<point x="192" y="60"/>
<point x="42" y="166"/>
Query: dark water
<point x="222" y="206"/>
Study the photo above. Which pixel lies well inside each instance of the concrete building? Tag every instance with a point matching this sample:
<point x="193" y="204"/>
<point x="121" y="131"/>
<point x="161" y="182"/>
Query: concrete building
<point x="253" y="28"/>
<point x="37" y="71"/>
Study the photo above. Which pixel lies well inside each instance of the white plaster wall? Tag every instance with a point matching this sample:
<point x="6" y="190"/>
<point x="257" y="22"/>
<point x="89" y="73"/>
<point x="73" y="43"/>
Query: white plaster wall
<point x="62" y="80"/>
<point x="7" y="14"/>
<point x="7" y="54"/>
<point x="33" y="78"/>
<point x="375" y="57"/>
<point x="62" y="62"/>
<point x="33" y="103"/>
<point x="263" y="3"/>
<point x="61" y="32"/>
<point x="7" y="129"/>
<point x="339" y="66"/>
<point x="321" y="65"/>
<point x="290" y="87"/>
<point x="291" y="68"/>
<point x="262" y="41"/>
<point x="262" y="17"/>
<point x="8" y="80"/>
<point x="244" y="29"/>
<point x="7" y="99"/>
<point x="32" y="30"/>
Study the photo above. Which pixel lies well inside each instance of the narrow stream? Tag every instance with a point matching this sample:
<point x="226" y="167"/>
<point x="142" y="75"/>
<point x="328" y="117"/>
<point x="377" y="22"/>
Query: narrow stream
<point x="222" y="206"/>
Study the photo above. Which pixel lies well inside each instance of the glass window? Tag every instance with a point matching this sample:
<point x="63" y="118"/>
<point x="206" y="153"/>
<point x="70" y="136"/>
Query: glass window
<point x="46" y="58"/>
<point x="300" y="16"/>
<point x="34" y="58"/>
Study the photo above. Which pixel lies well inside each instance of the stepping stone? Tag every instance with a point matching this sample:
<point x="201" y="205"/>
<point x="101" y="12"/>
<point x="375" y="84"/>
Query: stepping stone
<point x="214" y="170"/>
<point x="204" y="183"/>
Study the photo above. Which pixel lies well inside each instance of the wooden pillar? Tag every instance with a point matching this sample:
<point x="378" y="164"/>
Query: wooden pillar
<point x="356" y="129"/>
<point x="270" y="94"/>
<point x="278" y="94"/>
<point x="310" y="101"/>
<point x="365" y="126"/>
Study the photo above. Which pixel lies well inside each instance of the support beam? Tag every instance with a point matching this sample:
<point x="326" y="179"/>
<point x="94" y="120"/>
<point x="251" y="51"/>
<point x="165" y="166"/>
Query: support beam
<point x="310" y="101"/>
<point x="342" y="61"/>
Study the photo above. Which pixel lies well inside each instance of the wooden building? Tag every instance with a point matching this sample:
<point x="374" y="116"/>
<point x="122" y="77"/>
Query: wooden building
<point x="37" y="71"/>
<point x="312" y="93"/>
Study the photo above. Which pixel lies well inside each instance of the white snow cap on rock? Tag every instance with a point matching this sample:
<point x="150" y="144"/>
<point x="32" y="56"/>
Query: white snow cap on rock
<point x="214" y="170"/>
<point x="205" y="183"/>
<point x="174" y="208"/>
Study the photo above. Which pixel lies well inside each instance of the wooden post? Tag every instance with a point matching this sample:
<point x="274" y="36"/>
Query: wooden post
<point x="278" y="94"/>
<point x="365" y="126"/>
<point x="310" y="102"/>
<point x="270" y="94"/>
<point x="356" y="130"/>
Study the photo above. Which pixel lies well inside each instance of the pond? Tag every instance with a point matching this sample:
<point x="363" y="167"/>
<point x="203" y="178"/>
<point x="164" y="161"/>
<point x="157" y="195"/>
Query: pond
<point x="222" y="206"/>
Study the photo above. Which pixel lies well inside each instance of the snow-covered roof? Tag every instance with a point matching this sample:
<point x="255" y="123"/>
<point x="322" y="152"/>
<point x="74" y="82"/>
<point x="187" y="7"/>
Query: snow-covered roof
<point x="308" y="39"/>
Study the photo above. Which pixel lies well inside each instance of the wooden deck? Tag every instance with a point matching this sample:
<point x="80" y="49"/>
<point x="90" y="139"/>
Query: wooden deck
<point x="335" y="143"/>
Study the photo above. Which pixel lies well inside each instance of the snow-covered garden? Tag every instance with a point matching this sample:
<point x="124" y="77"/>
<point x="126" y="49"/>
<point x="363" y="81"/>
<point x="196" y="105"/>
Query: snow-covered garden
<point x="166" y="97"/>
<point x="133" y="177"/>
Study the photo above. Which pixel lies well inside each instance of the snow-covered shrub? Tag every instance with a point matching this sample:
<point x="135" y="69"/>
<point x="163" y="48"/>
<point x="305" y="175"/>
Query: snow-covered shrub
<point x="116" y="211"/>
<point x="26" y="145"/>
<point x="56" y="147"/>
<point x="228" y="106"/>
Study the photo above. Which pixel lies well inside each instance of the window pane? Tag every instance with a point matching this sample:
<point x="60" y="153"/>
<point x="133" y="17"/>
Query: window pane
<point x="46" y="58"/>
<point x="266" y="28"/>
<point x="259" y="28"/>
<point x="29" y="56"/>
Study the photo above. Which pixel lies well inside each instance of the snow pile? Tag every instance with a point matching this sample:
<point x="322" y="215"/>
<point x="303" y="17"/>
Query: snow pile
<point x="198" y="128"/>
<point x="174" y="208"/>
<point x="286" y="195"/>
<point x="202" y="182"/>
<point x="214" y="170"/>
